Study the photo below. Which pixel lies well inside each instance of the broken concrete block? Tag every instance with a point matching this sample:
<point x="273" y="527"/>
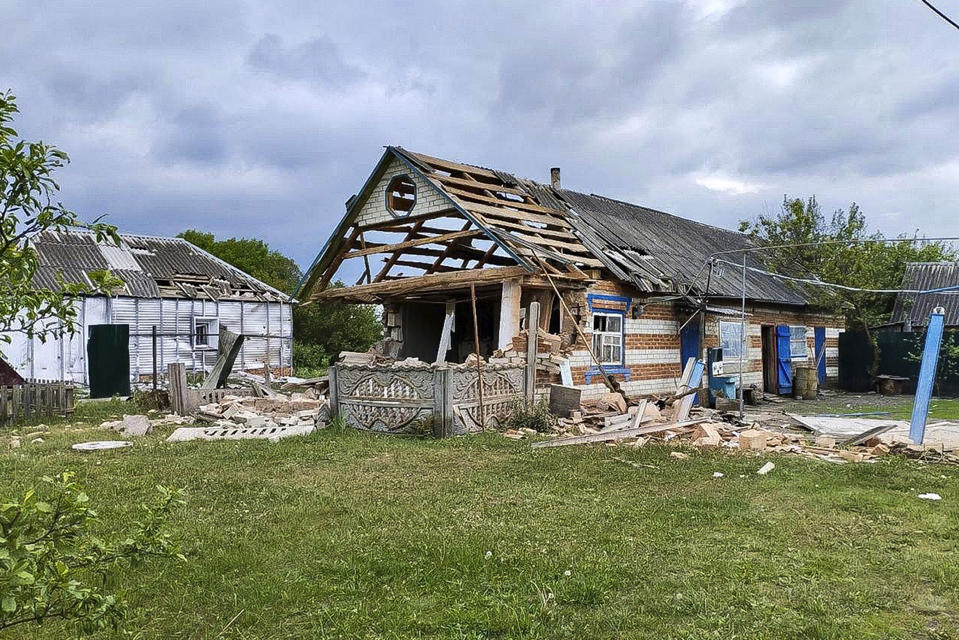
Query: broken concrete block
<point x="210" y="408"/>
<point x="766" y="468"/>
<point x="301" y="404"/>
<point x="706" y="435"/>
<point x="827" y="442"/>
<point x="231" y="411"/>
<point x="14" y="443"/>
<point x="307" y="414"/>
<point x="616" y="401"/>
<point x="184" y="434"/>
<point x="255" y="421"/>
<point x="851" y="456"/>
<point x="752" y="440"/>
<point x="136" y="425"/>
<point x="678" y="455"/>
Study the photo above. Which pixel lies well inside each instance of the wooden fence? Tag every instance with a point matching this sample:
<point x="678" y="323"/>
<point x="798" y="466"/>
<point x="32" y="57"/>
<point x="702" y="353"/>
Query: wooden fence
<point x="35" y="399"/>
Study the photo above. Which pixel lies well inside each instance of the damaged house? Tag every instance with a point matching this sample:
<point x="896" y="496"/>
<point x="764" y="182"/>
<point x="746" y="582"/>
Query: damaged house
<point x="173" y="303"/>
<point x="635" y="285"/>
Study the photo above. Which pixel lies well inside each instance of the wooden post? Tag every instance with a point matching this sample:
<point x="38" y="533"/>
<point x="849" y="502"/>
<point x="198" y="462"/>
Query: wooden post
<point x="180" y="397"/>
<point x="532" y="340"/>
<point x="155" y="358"/>
<point x="479" y="360"/>
<point x="607" y="379"/>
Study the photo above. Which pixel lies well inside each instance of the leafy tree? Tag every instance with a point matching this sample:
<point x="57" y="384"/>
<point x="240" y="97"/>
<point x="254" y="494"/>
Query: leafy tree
<point x="321" y="329"/>
<point x="841" y="250"/>
<point x="28" y="207"/>
<point x="53" y="567"/>
<point x="332" y="327"/>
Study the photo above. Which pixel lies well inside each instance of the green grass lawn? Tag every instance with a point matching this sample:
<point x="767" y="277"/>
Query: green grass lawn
<point x="348" y="535"/>
<point x="893" y="407"/>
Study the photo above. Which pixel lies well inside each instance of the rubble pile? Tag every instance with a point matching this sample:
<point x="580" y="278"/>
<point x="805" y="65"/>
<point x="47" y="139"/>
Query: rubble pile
<point x="296" y="410"/>
<point x="611" y="421"/>
<point x="141" y="425"/>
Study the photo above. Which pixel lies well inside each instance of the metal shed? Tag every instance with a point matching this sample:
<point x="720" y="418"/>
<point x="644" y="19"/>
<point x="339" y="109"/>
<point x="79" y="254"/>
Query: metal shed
<point x="171" y="288"/>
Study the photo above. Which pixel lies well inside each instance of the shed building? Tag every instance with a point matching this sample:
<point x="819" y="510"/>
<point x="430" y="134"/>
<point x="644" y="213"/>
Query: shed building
<point x="913" y="309"/>
<point x="171" y="287"/>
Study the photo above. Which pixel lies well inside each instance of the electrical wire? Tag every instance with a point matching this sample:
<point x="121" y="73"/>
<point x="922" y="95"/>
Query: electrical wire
<point x="940" y="13"/>
<point x="820" y="283"/>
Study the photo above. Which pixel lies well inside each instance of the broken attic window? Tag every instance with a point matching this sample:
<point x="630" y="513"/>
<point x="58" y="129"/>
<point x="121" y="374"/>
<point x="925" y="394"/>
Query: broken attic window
<point x="401" y="195"/>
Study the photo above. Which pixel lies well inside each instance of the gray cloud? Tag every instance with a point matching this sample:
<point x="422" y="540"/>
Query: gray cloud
<point x="316" y="60"/>
<point x="186" y="114"/>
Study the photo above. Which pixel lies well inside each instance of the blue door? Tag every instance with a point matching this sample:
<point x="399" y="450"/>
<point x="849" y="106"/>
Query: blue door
<point x="821" y="349"/>
<point x="689" y="345"/>
<point x="784" y="370"/>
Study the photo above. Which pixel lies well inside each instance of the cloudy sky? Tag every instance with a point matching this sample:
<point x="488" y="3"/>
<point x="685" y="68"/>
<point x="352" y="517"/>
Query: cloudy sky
<point x="260" y="118"/>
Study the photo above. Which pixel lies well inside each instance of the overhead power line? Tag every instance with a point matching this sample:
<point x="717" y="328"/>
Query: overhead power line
<point x="832" y="285"/>
<point x="940" y="13"/>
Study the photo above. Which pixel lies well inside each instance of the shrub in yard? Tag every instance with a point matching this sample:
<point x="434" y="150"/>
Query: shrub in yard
<point x="309" y="360"/>
<point x="53" y="567"/>
<point x="531" y="415"/>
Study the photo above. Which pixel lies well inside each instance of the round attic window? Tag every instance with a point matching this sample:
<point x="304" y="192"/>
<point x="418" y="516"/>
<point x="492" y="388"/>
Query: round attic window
<point x="401" y="195"/>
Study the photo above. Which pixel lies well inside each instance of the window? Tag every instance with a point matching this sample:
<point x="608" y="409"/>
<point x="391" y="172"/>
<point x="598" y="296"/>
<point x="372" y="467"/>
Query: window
<point x="731" y="339"/>
<point x="206" y="333"/>
<point x="797" y="343"/>
<point x="608" y="337"/>
<point x="401" y="195"/>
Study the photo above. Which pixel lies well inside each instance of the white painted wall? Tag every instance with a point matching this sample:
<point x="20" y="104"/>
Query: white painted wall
<point x="65" y="358"/>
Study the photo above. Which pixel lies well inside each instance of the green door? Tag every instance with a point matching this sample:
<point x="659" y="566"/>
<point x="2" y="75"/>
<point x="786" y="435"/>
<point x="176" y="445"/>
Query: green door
<point x="108" y="360"/>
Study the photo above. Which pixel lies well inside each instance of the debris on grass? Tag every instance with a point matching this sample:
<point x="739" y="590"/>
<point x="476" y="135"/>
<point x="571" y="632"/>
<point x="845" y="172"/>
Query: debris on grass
<point x="766" y="468"/>
<point x="930" y="496"/>
<point x="101" y="445"/>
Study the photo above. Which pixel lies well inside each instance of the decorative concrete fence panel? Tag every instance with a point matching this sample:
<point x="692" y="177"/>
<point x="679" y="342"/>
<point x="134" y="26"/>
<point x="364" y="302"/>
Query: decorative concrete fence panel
<point x="423" y="398"/>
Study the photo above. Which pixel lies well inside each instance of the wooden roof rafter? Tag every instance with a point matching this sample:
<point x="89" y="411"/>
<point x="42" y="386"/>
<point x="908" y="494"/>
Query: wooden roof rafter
<point x="522" y="222"/>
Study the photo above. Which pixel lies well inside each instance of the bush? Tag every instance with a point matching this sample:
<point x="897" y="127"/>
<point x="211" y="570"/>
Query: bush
<point x="531" y="415"/>
<point x="309" y="360"/>
<point x="53" y="567"/>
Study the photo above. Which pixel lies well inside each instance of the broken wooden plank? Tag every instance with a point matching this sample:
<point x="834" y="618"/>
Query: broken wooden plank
<point x="616" y="435"/>
<point x="399" y="246"/>
<point x="693" y="380"/>
<point x="228" y="348"/>
<point x="866" y="435"/>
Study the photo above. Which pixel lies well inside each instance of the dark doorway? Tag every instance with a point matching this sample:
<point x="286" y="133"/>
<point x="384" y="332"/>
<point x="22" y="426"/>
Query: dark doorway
<point x="108" y="360"/>
<point x="422" y="326"/>
<point x="770" y="384"/>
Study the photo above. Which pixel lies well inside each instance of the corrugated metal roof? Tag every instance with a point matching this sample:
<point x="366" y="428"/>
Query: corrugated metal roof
<point x="658" y="250"/>
<point x="140" y="261"/>
<point x="924" y="276"/>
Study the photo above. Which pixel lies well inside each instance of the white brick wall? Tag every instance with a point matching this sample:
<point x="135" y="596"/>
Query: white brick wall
<point x="651" y="327"/>
<point x="651" y="356"/>
<point x="428" y="199"/>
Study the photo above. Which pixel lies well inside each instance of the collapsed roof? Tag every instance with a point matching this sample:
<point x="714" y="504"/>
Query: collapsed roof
<point x="150" y="267"/>
<point x="925" y="276"/>
<point x="516" y="222"/>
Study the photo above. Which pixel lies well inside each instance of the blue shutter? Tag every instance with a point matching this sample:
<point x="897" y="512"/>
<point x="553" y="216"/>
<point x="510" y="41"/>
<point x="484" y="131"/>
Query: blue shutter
<point x="784" y="371"/>
<point x="820" y="333"/>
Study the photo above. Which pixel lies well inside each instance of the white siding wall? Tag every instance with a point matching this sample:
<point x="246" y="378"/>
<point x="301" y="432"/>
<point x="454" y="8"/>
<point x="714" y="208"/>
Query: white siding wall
<point x="66" y="358"/>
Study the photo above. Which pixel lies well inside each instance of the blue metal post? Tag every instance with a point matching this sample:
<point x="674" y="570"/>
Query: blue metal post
<point x="927" y="376"/>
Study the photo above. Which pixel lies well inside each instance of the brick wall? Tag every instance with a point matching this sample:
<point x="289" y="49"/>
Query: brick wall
<point x="652" y="342"/>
